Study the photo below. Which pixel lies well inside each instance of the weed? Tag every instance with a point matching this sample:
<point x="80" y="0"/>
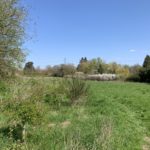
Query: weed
<point x="75" y="88"/>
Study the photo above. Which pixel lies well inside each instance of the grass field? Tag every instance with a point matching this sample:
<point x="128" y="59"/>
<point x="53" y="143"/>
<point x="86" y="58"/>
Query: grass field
<point x="113" y="116"/>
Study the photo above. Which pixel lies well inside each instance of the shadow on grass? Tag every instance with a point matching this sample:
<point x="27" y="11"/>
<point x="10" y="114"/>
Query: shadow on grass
<point x="14" y="132"/>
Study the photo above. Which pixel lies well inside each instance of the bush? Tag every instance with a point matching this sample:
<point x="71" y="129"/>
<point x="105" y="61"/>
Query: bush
<point x="25" y="113"/>
<point x="23" y="104"/>
<point x="29" y="68"/>
<point x="28" y="113"/>
<point x="63" y="69"/>
<point x="68" y="89"/>
<point x="144" y="75"/>
<point x="134" y="78"/>
<point x="75" y="88"/>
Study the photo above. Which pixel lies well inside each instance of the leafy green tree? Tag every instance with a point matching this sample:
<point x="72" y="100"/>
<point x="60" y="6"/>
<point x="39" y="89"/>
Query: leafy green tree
<point x="29" y="68"/>
<point x="98" y="65"/>
<point x="113" y="67"/>
<point x="146" y="63"/>
<point x="83" y="59"/>
<point x="145" y="71"/>
<point x="84" y="67"/>
<point x="12" y="31"/>
<point x="68" y="69"/>
<point x="101" y="65"/>
<point x="100" y="69"/>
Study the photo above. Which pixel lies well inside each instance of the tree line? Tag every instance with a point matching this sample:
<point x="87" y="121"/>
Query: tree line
<point x="85" y="66"/>
<point x="137" y="73"/>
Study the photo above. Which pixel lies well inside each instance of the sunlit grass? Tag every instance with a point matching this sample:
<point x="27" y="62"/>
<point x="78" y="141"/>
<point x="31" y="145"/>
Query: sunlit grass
<point x="114" y="116"/>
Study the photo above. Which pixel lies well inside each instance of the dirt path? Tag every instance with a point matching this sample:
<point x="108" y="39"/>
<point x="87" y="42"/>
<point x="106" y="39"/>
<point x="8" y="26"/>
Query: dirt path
<point x="146" y="146"/>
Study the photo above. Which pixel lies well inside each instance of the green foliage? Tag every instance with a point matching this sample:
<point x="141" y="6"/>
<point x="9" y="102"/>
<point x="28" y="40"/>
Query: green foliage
<point x="112" y="67"/>
<point x="3" y="86"/>
<point x="84" y="67"/>
<point x="28" y="113"/>
<point x="55" y="99"/>
<point x="68" y="69"/>
<point x="113" y="116"/>
<point x="23" y="106"/>
<point x="69" y="89"/>
<point x="135" y="69"/>
<point x="21" y="115"/>
<point x="100" y="69"/>
<point x="29" y="68"/>
<point x="18" y="146"/>
<point x="11" y="36"/>
<point x="98" y="65"/>
<point x="63" y="69"/>
<point x="133" y="78"/>
<point x="75" y="88"/>
<point x="144" y="75"/>
<point x="146" y="63"/>
<point x="140" y="74"/>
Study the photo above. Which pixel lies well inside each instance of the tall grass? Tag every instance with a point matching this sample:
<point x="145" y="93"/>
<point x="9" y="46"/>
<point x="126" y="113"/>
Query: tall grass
<point x="75" y="88"/>
<point x="115" y="116"/>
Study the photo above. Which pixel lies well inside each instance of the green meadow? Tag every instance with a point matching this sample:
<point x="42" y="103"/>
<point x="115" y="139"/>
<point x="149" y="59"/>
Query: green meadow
<point x="111" y="116"/>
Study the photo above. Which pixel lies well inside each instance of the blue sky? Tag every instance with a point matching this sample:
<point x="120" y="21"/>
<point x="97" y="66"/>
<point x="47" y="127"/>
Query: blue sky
<point x="115" y="30"/>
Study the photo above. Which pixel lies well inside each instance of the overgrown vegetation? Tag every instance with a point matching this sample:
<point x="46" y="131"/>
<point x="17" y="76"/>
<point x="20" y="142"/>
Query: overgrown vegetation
<point x="37" y="114"/>
<point x="75" y="88"/>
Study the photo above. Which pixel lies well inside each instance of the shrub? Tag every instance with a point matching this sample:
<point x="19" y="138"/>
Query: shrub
<point x="134" y="78"/>
<point x="63" y="69"/>
<point x="144" y="75"/>
<point x="75" y="88"/>
<point x="23" y="105"/>
<point x="29" y="68"/>
<point x="25" y="113"/>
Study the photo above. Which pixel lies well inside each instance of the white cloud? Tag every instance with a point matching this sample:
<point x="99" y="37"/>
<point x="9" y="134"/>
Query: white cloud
<point x="132" y="50"/>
